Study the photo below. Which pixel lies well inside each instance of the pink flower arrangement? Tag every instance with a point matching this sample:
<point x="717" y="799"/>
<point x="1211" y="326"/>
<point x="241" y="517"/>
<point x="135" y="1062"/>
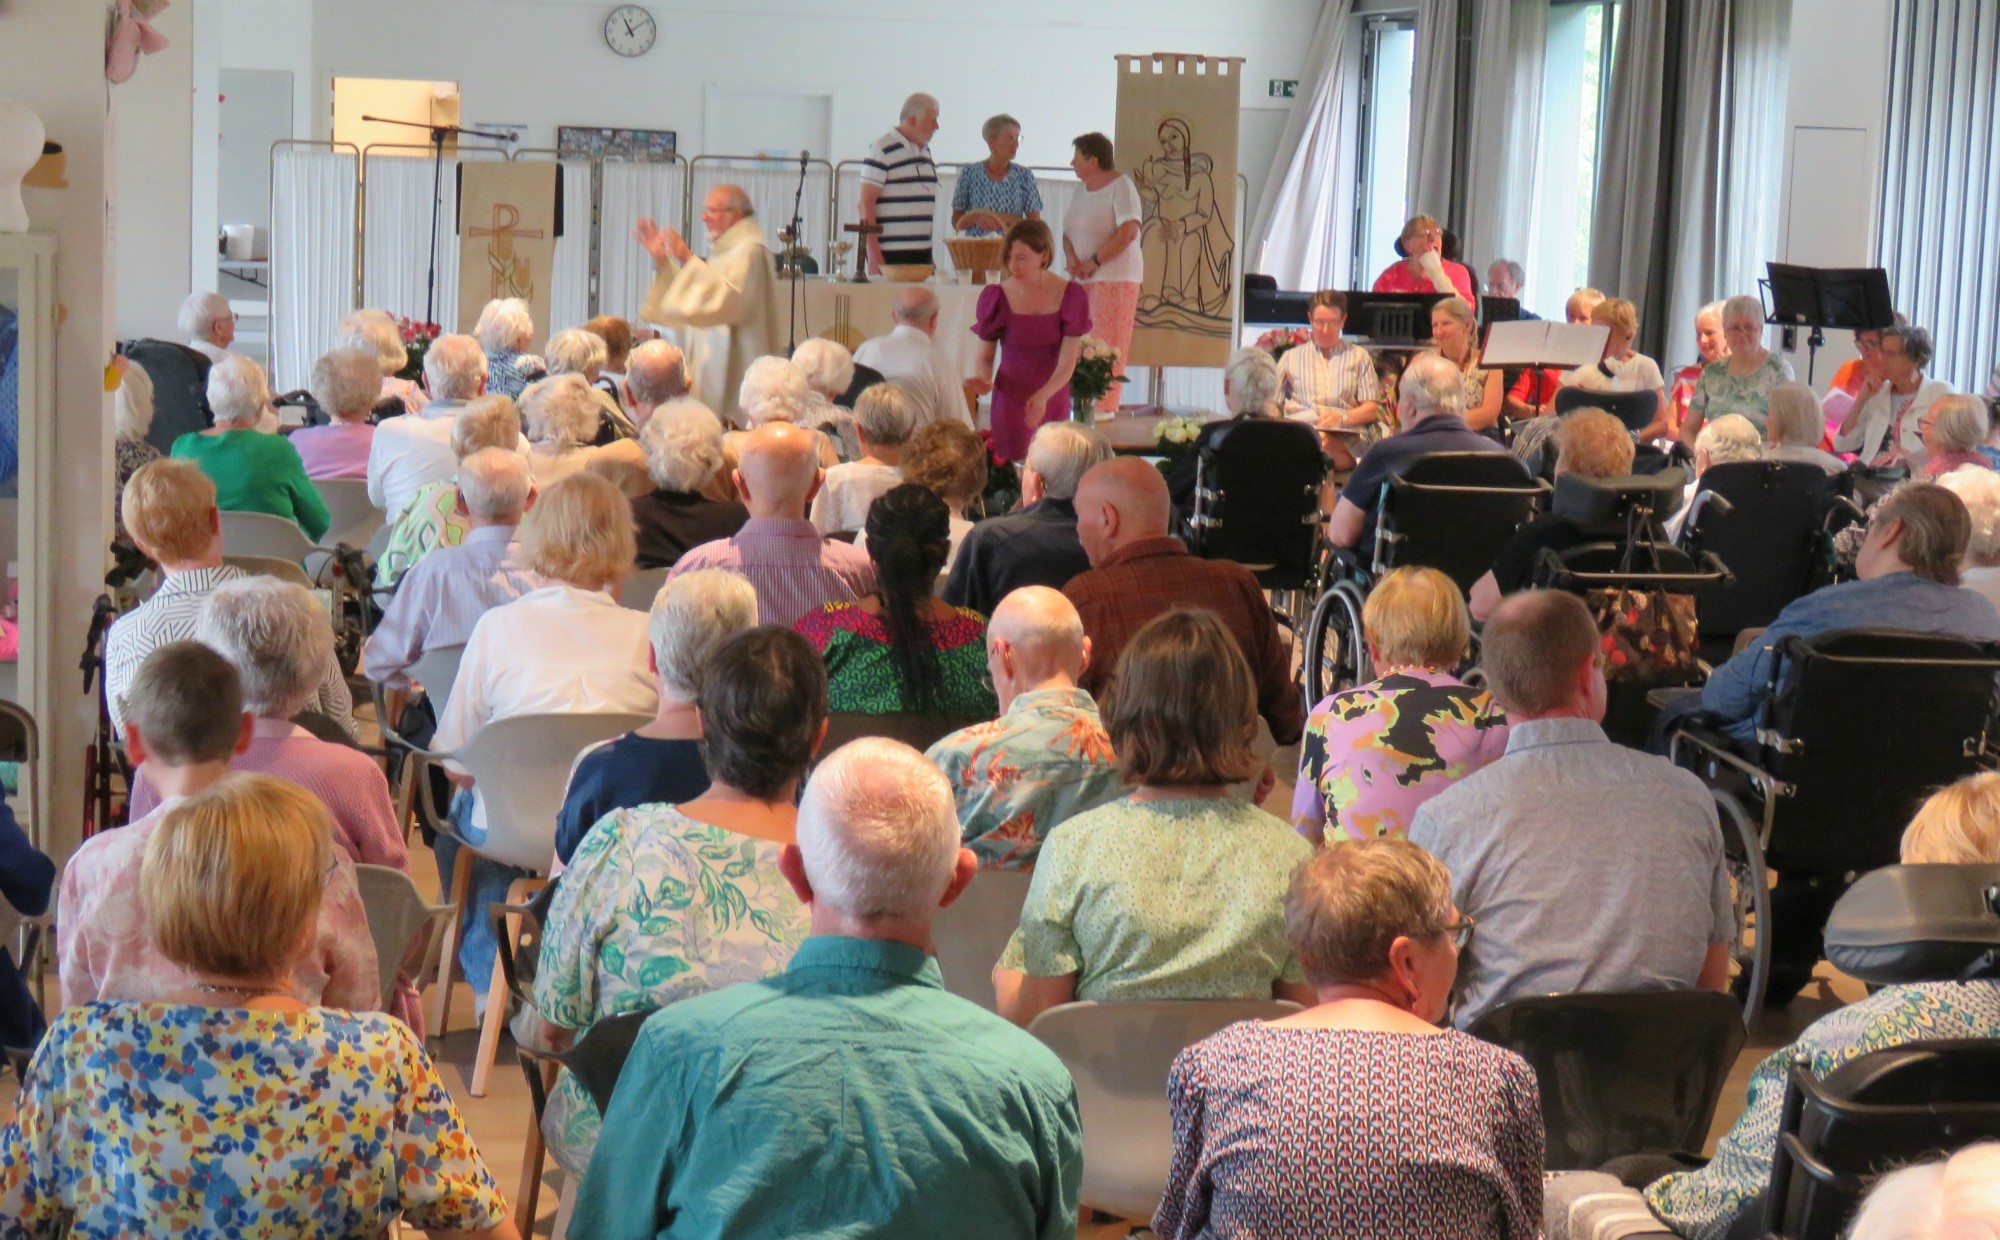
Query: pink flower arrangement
<point x="1279" y="339"/>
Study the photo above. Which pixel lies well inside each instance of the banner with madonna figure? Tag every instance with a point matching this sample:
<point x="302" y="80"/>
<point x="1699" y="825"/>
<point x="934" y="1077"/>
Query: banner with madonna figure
<point x="1177" y="117"/>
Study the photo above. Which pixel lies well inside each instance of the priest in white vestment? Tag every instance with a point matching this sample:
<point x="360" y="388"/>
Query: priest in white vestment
<point x="724" y="307"/>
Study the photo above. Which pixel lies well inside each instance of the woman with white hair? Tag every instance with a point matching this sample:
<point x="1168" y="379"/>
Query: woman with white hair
<point x="829" y="371"/>
<point x="209" y="324"/>
<point x="562" y="418"/>
<point x="1712" y="346"/>
<point x="436" y="517"/>
<point x="504" y="332"/>
<point x="1979" y="488"/>
<point x="580" y="352"/>
<point x="1953" y="429"/>
<point x="1251" y="387"/>
<point x="683" y="442"/>
<point x="884" y="419"/>
<point x="131" y="418"/>
<point x="1742" y="382"/>
<point x="1725" y="441"/>
<point x="253" y="471"/>
<point x="1794" y="427"/>
<point x="1885" y="426"/>
<point x="775" y="389"/>
<point x="375" y="331"/>
<point x="345" y="384"/>
<point x="1955" y="1198"/>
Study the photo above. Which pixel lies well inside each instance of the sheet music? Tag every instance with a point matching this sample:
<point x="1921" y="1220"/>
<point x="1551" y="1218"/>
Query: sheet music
<point x="1538" y="343"/>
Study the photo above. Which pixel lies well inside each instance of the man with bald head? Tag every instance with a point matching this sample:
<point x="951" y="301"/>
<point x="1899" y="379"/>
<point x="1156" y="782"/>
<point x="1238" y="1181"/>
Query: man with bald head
<point x="1138" y="570"/>
<point x="1047" y="757"/>
<point x="909" y="358"/>
<point x="793" y="569"/>
<point x="722" y="308"/>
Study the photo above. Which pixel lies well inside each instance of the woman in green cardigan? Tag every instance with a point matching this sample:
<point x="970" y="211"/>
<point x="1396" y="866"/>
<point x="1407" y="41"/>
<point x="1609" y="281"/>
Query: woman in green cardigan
<point x="253" y="471"/>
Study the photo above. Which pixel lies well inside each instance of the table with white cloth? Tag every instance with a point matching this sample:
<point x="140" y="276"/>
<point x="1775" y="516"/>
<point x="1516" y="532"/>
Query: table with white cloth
<point x="851" y="313"/>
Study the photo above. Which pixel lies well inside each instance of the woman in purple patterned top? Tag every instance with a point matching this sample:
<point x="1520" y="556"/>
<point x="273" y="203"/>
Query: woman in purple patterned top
<point x="1359" y="1117"/>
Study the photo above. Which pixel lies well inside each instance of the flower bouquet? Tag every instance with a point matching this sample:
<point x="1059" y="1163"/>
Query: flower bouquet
<point x="417" y="341"/>
<point x="1003" y="481"/>
<point x="1173" y="439"/>
<point x="1279" y="339"/>
<point x="1096" y="370"/>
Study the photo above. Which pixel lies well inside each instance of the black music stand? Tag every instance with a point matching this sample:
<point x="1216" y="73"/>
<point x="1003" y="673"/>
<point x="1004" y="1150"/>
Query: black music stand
<point x="438" y="135"/>
<point x="1392" y="319"/>
<point x="1851" y="298"/>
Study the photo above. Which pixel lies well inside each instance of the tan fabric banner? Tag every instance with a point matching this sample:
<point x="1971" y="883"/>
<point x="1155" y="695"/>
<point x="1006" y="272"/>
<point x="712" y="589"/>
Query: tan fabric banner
<point x="506" y="238"/>
<point x="1177" y="119"/>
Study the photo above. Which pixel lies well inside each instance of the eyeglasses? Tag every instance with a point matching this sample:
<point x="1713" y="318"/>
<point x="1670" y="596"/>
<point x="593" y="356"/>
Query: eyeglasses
<point x="1460" y="931"/>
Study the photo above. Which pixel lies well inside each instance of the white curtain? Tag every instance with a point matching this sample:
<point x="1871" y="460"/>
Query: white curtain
<point x="1433" y="110"/>
<point x="312" y="256"/>
<point x="569" y="274"/>
<point x="631" y="191"/>
<point x="396" y="235"/>
<point x="1300" y="235"/>
<point x="1941" y="189"/>
<point x="1504" y="163"/>
<point x="772" y="185"/>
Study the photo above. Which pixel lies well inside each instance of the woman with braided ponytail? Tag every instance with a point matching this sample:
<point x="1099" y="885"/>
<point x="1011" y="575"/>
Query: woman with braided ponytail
<point x="899" y="650"/>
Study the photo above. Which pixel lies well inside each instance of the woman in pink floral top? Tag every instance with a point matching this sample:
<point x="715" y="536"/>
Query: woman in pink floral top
<point x="1374" y="753"/>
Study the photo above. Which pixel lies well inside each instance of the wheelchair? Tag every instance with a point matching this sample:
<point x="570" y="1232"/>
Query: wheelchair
<point x="1257" y="502"/>
<point x="1772" y="523"/>
<point x="1827" y="787"/>
<point x="1452" y="511"/>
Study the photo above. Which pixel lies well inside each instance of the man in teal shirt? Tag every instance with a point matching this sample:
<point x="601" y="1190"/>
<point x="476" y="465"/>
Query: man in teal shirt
<point x="850" y="1095"/>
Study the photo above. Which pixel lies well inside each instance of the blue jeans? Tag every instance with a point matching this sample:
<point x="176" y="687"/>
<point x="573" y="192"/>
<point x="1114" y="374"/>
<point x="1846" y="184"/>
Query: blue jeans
<point x="490" y="880"/>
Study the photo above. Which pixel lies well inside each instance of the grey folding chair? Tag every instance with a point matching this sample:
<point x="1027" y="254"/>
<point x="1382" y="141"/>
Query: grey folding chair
<point x="971" y="934"/>
<point x="1119" y="1055"/>
<point x="355" y="517"/>
<point x="405" y="926"/>
<point x="638" y="591"/>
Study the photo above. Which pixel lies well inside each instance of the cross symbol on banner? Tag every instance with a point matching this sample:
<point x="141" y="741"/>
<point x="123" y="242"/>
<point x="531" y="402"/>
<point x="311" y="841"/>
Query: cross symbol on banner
<point x="511" y="276"/>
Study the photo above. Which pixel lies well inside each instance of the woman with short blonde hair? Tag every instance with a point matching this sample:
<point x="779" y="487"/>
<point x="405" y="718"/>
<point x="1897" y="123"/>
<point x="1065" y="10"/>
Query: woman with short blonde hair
<point x="1373" y="754"/>
<point x="1111" y="915"/>
<point x="1455" y="338"/>
<point x="579" y="532"/>
<point x="1958" y="825"/>
<point x="232" y="879"/>
<point x="376" y="332"/>
<point x="1590" y="443"/>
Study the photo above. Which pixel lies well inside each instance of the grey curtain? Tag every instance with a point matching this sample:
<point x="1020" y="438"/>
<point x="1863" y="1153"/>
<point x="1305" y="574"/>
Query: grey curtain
<point x="1629" y="245"/>
<point x="1434" y="155"/>
<point x="1503" y="164"/>
<point x="1299" y="232"/>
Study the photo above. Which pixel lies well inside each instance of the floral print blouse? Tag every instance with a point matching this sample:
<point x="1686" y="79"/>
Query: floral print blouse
<point x="167" y="1119"/>
<point x="1020" y="776"/>
<point x="1719" y="392"/>
<point x="655" y="907"/>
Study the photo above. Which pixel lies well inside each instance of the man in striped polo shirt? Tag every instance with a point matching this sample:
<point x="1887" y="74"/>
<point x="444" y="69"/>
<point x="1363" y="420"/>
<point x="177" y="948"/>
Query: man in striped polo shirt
<point x="899" y="187"/>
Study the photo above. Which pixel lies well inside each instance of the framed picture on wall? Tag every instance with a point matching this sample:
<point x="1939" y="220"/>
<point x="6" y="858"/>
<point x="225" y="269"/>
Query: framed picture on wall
<point x="617" y="143"/>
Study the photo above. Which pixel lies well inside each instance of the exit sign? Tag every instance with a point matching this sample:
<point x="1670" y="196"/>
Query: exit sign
<point x="1284" y="88"/>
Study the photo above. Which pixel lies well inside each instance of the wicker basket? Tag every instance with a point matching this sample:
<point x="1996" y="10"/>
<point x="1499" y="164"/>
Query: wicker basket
<point x="978" y="255"/>
<point x="908" y="273"/>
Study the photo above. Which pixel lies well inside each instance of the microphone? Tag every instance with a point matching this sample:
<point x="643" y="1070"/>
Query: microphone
<point x="802" y="160"/>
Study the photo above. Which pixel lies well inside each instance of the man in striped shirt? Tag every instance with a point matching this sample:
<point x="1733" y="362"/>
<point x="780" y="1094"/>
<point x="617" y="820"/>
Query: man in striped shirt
<point x="899" y="187"/>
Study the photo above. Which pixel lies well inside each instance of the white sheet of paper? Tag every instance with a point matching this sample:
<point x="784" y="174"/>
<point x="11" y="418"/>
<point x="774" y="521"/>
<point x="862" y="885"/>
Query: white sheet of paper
<point x="1535" y="343"/>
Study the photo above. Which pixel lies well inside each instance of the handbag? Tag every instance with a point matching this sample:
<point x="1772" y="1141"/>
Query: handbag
<point x="1646" y="636"/>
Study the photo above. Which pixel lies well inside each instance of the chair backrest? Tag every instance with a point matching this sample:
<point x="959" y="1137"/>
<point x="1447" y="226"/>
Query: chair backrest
<point x="521" y="765"/>
<point x="1863" y="724"/>
<point x="1622" y="1073"/>
<point x="1635" y="409"/>
<point x="262" y="535"/>
<point x="1602" y="505"/>
<point x="1918" y="923"/>
<point x="1881" y="1110"/>
<point x="973" y="931"/>
<point x="639" y="589"/>
<point x="354" y="517"/>
<point x="1767" y="530"/>
<point x="180" y="388"/>
<point x="598" y="1058"/>
<point x="404" y="925"/>
<point x="1454" y="511"/>
<point x="1257" y="485"/>
<point x="916" y="729"/>
<point x="1119" y="1055"/>
<point x="436" y="670"/>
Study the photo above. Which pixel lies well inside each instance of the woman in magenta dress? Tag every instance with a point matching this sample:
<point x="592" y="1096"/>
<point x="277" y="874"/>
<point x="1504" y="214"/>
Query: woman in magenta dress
<point x="1036" y="320"/>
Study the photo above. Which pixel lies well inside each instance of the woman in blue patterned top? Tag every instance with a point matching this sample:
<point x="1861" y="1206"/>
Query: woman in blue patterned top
<point x="505" y="330"/>
<point x="999" y="191"/>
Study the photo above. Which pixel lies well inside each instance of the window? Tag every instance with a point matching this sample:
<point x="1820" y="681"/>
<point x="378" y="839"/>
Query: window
<point x="1575" y="77"/>
<point x="1388" y="62"/>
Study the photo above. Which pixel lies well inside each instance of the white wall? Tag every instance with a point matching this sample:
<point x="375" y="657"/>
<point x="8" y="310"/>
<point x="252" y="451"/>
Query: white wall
<point x="152" y="192"/>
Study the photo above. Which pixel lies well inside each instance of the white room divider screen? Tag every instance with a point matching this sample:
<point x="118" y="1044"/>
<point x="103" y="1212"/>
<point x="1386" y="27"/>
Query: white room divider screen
<point x="396" y="231"/>
<point x="312" y="253"/>
<point x="627" y="192"/>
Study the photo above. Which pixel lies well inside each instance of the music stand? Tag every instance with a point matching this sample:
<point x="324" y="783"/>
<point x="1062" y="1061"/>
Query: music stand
<point x="1542" y="345"/>
<point x="1392" y="319"/>
<point x="1850" y="298"/>
<point x="438" y="135"/>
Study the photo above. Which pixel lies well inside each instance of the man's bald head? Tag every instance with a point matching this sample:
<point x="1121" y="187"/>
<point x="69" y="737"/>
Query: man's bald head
<point x="917" y="307"/>
<point x="1120" y="501"/>
<point x="777" y="470"/>
<point x="1035" y="640"/>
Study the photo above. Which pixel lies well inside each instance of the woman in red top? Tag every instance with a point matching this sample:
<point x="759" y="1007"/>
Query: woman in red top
<point x="1425" y="269"/>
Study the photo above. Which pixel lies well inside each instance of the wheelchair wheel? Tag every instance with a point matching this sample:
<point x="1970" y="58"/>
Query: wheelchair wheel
<point x="1336" y="657"/>
<point x="1750" y="891"/>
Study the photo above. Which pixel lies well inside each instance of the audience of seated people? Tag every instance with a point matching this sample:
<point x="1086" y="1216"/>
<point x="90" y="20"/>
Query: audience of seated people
<point x="434" y="516"/>
<point x="1589" y="867"/>
<point x="949" y="459"/>
<point x="171" y="512"/>
<point x="946" y="1113"/>
<point x="375" y="332"/>
<point x="253" y="468"/>
<point x="796" y="572"/>
<point x="1590" y="443"/>
<point x="1374" y="753"/>
<point x="910" y="358"/>
<point x="829" y="371"/>
<point x="1175" y="890"/>
<point x="661" y="763"/>
<point x="1047" y="757"/>
<point x="346" y="383"/>
<point x="413" y="450"/>
<point x="1794" y="426"/>
<point x="883" y="423"/>
<point x="225" y="1100"/>
<point x="1360" y="1116"/>
<point x="898" y="648"/>
<point x="505" y="329"/>
<point x="1036" y="544"/>
<point x="187" y="727"/>
<point x="683" y="442"/>
<point x="712" y="859"/>
<point x="1139" y="571"/>
<point x="1430" y="410"/>
<point x="27" y="881"/>
<point x="582" y="352"/>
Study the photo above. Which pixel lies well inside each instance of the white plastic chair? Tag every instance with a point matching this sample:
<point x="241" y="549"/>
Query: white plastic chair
<point x="399" y="919"/>
<point x="973" y="931"/>
<point x="267" y="546"/>
<point x="521" y="767"/>
<point x="1119" y="1055"/>
<point x="355" y="518"/>
<point x="639" y="588"/>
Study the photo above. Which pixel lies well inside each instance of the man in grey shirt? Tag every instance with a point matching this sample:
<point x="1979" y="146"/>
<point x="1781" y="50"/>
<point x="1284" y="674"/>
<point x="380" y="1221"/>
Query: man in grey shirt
<point x="1587" y="866"/>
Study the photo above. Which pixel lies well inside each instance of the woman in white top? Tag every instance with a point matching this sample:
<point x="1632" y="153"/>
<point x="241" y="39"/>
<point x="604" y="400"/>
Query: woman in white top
<point x="1622" y="369"/>
<point x="562" y="417"/>
<point x="1100" y="247"/>
<point x="1885" y="427"/>
<point x="883" y="419"/>
<point x="1331" y="384"/>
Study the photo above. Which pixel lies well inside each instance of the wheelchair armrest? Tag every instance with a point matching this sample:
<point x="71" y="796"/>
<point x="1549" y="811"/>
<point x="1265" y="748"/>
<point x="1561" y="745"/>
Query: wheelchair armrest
<point x="1697" y="732"/>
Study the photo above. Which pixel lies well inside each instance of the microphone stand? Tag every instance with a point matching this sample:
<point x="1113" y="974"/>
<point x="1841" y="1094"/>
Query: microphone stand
<point x="438" y="135"/>
<point x="795" y="260"/>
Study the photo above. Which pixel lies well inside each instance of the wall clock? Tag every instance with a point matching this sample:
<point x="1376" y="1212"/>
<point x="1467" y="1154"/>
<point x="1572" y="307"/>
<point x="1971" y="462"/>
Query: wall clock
<point x="630" y="30"/>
